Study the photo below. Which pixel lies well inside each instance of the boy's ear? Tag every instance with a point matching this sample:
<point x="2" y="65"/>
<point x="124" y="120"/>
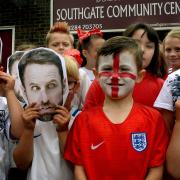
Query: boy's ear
<point x="141" y="75"/>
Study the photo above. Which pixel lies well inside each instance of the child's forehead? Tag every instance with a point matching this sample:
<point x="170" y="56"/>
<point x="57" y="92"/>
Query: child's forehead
<point x="125" y="57"/>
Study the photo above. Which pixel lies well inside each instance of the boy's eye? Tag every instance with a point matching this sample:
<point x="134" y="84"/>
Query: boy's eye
<point x="51" y="86"/>
<point x="167" y="49"/>
<point x="124" y="68"/>
<point x="65" y="44"/>
<point x="55" y="44"/>
<point x="35" y="88"/>
<point x="107" y="69"/>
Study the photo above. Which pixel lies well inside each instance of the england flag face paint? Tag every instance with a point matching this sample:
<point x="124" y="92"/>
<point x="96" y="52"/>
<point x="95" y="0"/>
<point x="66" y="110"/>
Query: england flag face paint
<point x="117" y="74"/>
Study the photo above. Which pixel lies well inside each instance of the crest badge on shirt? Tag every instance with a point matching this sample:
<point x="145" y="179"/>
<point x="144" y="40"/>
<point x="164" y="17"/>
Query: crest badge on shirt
<point x="139" y="141"/>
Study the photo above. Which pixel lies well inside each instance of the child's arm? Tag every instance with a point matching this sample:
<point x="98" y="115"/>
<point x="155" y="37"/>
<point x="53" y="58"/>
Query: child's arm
<point x="169" y="118"/>
<point x="79" y="173"/>
<point x="23" y="153"/>
<point x="155" y="173"/>
<point x="173" y="152"/>
<point x="61" y="118"/>
<point x="7" y="89"/>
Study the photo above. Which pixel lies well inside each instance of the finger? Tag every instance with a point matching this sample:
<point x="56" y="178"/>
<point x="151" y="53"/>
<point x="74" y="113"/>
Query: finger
<point x="62" y="113"/>
<point x="62" y="108"/>
<point x="31" y="113"/>
<point x="32" y="107"/>
<point x="34" y="104"/>
<point x="30" y="117"/>
<point x="30" y="110"/>
<point x="61" y="119"/>
<point x="4" y="78"/>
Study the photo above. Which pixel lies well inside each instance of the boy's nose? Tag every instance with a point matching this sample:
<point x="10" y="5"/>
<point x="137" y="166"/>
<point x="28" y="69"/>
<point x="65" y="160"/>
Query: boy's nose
<point x="61" y="46"/>
<point x="44" y="97"/>
<point x="115" y="75"/>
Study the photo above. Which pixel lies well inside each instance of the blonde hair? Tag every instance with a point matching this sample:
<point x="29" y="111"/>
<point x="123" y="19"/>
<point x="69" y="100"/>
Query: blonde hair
<point x="59" y="27"/>
<point x="174" y="33"/>
<point x="71" y="67"/>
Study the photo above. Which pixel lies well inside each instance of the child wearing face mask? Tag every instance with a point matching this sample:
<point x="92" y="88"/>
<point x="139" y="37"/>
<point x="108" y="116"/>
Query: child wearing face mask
<point x="45" y="119"/>
<point x="146" y="91"/>
<point x="118" y="140"/>
<point x="89" y="43"/>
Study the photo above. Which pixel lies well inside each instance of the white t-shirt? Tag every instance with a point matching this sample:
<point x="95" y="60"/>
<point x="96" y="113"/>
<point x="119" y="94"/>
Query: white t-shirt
<point x="48" y="163"/>
<point x="169" y="93"/>
<point x="89" y="73"/>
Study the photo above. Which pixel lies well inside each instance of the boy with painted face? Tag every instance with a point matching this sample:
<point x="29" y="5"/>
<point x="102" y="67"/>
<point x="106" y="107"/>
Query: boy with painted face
<point x="120" y="139"/>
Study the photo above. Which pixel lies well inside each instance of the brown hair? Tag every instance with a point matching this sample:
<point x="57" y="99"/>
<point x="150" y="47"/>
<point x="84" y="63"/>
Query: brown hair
<point x="59" y="27"/>
<point x="119" y="44"/>
<point x="152" y="35"/>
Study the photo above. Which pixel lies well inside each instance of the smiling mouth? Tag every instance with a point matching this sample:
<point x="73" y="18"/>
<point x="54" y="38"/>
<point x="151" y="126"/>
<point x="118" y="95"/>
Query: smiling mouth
<point x="114" y="85"/>
<point x="173" y="61"/>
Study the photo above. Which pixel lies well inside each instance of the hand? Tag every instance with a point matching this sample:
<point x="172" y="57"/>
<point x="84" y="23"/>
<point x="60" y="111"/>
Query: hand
<point x="7" y="83"/>
<point x="177" y="104"/>
<point x="61" y="118"/>
<point x="69" y="100"/>
<point x="29" y="116"/>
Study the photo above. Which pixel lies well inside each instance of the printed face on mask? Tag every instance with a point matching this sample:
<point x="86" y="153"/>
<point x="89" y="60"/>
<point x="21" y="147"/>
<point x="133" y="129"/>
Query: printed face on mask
<point x="44" y="88"/>
<point x="117" y="74"/>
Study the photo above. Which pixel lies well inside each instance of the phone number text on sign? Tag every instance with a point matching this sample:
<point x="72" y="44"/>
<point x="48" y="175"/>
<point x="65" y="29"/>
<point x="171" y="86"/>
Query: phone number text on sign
<point x="85" y="26"/>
